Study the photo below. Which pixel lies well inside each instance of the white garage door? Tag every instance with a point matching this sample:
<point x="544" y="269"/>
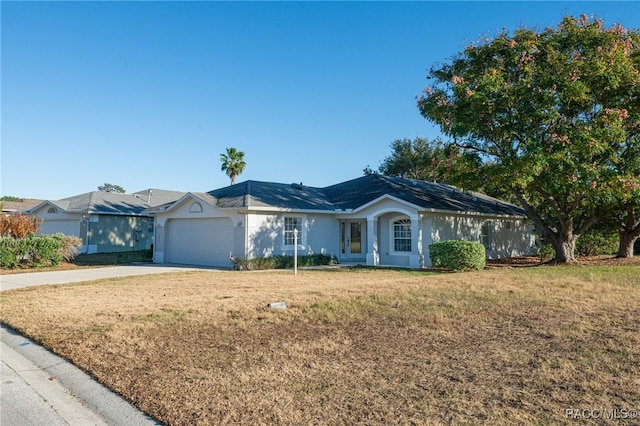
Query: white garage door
<point x="67" y="227"/>
<point x="199" y="241"/>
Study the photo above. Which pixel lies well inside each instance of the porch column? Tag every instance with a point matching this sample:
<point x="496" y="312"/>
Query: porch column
<point x="417" y="259"/>
<point x="373" y="257"/>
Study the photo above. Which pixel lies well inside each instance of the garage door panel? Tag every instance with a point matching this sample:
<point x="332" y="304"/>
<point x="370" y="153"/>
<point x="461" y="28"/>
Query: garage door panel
<point x="200" y="241"/>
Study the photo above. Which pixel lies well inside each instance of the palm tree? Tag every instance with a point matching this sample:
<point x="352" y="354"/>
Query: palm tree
<point x="233" y="163"/>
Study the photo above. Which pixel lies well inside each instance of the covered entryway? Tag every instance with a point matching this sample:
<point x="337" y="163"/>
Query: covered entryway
<point x="199" y="241"/>
<point x="352" y="240"/>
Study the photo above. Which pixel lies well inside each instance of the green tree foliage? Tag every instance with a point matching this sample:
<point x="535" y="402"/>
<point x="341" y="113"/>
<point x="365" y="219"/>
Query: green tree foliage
<point x="109" y="187"/>
<point x="422" y="159"/>
<point x="555" y="112"/>
<point x="436" y="161"/>
<point x="624" y="204"/>
<point x="233" y="163"/>
<point x="9" y="198"/>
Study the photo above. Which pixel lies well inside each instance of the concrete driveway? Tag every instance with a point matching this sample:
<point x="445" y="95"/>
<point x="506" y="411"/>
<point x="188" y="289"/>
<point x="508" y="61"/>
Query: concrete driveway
<point x="39" y="388"/>
<point x="12" y="281"/>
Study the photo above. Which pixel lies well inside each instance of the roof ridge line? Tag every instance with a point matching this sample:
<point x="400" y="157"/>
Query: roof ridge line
<point x="247" y="194"/>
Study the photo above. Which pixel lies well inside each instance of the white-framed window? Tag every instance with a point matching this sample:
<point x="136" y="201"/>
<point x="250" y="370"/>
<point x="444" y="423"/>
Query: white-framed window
<point x="52" y="210"/>
<point x="402" y="235"/>
<point x="291" y="223"/>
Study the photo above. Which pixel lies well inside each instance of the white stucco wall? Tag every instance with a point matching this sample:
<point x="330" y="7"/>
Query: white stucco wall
<point x="265" y="234"/>
<point x="506" y="237"/>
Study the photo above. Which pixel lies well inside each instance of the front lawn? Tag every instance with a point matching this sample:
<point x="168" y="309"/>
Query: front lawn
<point x="355" y="346"/>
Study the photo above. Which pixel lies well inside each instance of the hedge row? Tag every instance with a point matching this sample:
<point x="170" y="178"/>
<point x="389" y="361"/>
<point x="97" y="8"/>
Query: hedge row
<point x="37" y="250"/>
<point x="458" y="255"/>
<point x="282" y="262"/>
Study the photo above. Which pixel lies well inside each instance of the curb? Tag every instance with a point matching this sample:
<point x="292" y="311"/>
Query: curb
<point x="108" y="407"/>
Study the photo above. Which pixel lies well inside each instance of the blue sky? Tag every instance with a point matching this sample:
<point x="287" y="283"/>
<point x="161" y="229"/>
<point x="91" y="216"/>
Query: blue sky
<point x="148" y="94"/>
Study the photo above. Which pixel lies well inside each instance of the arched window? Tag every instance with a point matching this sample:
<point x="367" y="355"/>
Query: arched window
<point x="402" y="235"/>
<point x="195" y="208"/>
<point x="52" y="210"/>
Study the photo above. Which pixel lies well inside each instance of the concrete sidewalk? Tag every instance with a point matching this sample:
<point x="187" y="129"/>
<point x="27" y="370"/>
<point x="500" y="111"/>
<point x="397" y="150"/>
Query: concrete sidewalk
<point x="40" y="388"/>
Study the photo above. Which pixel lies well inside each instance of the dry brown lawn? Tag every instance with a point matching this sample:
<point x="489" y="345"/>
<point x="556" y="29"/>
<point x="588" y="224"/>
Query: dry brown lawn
<point x="355" y="346"/>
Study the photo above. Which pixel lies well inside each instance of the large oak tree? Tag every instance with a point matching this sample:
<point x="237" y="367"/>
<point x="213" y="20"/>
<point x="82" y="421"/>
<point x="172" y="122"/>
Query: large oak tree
<point x="556" y="112"/>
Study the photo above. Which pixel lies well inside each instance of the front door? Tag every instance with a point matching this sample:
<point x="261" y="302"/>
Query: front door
<point x="352" y="242"/>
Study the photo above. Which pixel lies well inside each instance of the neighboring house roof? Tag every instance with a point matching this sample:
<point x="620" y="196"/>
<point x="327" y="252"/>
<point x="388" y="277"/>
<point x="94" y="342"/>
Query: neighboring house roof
<point x="156" y="197"/>
<point x="21" y="205"/>
<point x="97" y="202"/>
<point x="354" y="194"/>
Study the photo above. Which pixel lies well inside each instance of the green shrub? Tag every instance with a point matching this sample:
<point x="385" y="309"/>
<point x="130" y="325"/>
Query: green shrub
<point x="12" y="252"/>
<point x="458" y="255"/>
<point x="44" y="250"/>
<point x="546" y="250"/>
<point x="282" y="262"/>
<point x="37" y="250"/>
<point x="595" y="243"/>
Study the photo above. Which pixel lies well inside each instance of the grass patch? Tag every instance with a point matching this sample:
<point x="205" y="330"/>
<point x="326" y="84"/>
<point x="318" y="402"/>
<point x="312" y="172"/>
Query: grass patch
<point x="356" y="346"/>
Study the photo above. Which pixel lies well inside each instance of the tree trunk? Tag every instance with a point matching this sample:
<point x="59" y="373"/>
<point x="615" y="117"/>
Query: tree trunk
<point x="629" y="233"/>
<point x="565" y="250"/>
<point x="562" y="241"/>
<point x="627" y="240"/>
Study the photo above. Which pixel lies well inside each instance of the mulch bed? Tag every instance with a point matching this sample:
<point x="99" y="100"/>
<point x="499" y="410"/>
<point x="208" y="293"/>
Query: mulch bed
<point x="529" y="261"/>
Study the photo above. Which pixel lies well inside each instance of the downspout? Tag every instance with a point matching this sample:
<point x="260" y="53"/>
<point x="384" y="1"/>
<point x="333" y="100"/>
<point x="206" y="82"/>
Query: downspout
<point x="85" y="217"/>
<point x="246" y="235"/>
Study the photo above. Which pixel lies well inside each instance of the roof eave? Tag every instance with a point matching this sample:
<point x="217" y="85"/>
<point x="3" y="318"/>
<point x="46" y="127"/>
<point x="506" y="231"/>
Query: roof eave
<point x="262" y="209"/>
<point x="472" y="213"/>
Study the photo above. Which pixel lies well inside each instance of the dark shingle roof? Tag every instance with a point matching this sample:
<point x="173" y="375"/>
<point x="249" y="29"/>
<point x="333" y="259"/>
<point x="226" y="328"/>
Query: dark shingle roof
<point x="358" y="192"/>
<point x="268" y="194"/>
<point x="156" y="197"/>
<point x="116" y="203"/>
<point x="428" y="195"/>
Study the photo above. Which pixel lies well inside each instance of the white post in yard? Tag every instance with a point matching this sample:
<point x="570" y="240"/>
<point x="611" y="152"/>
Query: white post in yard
<point x="295" y="251"/>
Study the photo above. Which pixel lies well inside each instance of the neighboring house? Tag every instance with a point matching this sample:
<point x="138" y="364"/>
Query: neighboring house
<point x="105" y="221"/>
<point x="19" y="206"/>
<point x="372" y="220"/>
